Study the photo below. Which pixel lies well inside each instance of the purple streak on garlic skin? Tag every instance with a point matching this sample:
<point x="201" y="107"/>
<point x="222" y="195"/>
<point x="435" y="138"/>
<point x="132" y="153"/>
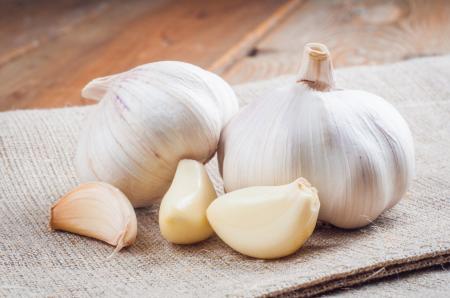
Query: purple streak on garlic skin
<point x="174" y="110"/>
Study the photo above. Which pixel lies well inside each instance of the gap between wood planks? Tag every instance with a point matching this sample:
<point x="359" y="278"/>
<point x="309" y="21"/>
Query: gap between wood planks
<point x="246" y="45"/>
<point x="241" y="40"/>
<point x="356" y="32"/>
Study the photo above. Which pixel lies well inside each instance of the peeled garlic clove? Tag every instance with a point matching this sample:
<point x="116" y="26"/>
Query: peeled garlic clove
<point x="266" y="221"/>
<point x="96" y="210"/>
<point x="182" y="214"/>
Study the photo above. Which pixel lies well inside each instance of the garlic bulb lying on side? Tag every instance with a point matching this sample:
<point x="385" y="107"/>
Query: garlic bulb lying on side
<point x="148" y="119"/>
<point x="353" y="146"/>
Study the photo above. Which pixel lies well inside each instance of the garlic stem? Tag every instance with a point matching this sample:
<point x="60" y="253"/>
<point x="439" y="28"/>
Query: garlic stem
<point x="97" y="88"/>
<point x="316" y="69"/>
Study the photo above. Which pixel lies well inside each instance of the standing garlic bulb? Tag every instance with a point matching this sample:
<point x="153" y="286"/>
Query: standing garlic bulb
<point x="148" y="119"/>
<point x="353" y="146"/>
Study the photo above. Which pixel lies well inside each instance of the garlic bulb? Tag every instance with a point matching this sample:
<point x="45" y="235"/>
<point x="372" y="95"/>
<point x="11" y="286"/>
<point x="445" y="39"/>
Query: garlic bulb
<point x="96" y="210"/>
<point x="353" y="146"/>
<point x="148" y="119"/>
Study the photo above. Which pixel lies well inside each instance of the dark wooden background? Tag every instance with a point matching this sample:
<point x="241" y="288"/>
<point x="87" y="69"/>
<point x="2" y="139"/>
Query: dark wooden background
<point x="50" y="49"/>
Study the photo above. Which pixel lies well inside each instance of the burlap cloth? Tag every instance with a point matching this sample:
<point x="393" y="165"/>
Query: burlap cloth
<point x="36" y="153"/>
<point x="430" y="282"/>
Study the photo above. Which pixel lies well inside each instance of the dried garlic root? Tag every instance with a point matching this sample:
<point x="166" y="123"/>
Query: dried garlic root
<point x="97" y="210"/>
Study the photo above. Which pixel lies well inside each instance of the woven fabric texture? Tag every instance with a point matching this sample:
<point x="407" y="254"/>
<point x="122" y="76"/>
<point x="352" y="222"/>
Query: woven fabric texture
<point x="430" y="282"/>
<point x="36" y="168"/>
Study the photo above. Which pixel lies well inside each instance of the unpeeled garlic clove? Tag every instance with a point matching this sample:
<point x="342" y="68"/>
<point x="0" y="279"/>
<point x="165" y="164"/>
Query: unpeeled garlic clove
<point x="96" y="210"/>
<point x="182" y="214"/>
<point x="266" y="221"/>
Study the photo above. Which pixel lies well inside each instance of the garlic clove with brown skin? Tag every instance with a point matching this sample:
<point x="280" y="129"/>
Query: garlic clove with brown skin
<point x="352" y="145"/>
<point x="266" y="222"/>
<point x="97" y="210"/>
<point x="182" y="214"/>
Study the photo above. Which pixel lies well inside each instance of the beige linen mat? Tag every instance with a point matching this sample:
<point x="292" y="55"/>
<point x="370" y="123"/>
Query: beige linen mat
<point x="36" y="154"/>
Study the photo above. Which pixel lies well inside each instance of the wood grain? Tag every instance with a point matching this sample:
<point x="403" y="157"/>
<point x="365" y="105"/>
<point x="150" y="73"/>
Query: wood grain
<point x="120" y="35"/>
<point x="357" y="32"/>
<point x="50" y="49"/>
<point x="246" y="44"/>
<point x="27" y="24"/>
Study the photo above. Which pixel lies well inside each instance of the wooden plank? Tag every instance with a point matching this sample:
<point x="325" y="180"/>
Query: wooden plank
<point x="244" y="46"/>
<point x="357" y="32"/>
<point x="26" y="25"/>
<point x="45" y="67"/>
<point x="122" y="36"/>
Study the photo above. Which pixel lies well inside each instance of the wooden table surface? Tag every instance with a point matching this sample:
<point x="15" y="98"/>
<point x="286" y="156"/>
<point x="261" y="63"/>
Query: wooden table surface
<point x="50" y="49"/>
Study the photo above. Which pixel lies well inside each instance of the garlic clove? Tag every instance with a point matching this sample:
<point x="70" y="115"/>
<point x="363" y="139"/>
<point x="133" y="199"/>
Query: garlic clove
<point x="266" y="221"/>
<point x="97" y="210"/>
<point x="182" y="214"/>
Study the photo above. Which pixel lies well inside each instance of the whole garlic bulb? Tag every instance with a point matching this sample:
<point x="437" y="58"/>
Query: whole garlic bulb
<point x="148" y="119"/>
<point x="353" y="146"/>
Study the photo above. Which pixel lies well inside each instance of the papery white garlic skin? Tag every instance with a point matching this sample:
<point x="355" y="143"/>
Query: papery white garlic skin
<point x="353" y="146"/>
<point x="182" y="213"/>
<point x="148" y="119"/>
<point x="96" y="210"/>
<point x="266" y="221"/>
